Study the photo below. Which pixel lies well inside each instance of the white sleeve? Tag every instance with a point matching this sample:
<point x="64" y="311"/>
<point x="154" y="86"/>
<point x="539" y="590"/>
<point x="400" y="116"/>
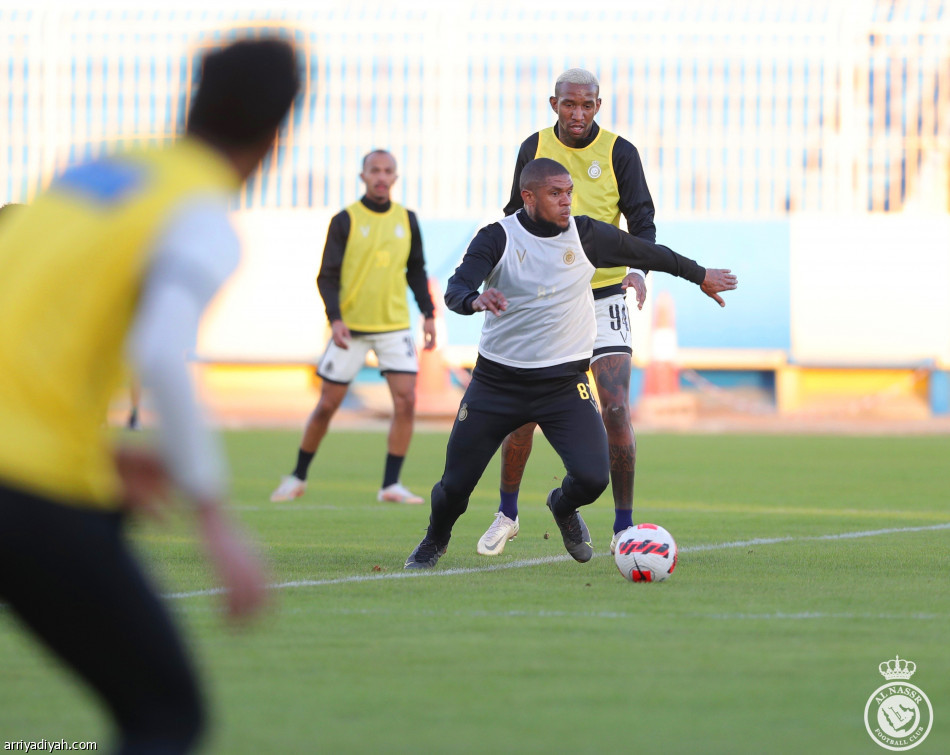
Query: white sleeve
<point x="194" y="255"/>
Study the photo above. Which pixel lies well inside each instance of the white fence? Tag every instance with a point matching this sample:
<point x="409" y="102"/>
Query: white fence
<point x="739" y="108"/>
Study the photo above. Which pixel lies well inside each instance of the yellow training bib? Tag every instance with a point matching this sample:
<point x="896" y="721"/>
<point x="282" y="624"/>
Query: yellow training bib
<point x="373" y="275"/>
<point x="71" y="266"/>
<point x="596" y="193"/>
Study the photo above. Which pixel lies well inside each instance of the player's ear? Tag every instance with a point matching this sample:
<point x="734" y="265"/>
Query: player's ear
<point x="553" y="101"/>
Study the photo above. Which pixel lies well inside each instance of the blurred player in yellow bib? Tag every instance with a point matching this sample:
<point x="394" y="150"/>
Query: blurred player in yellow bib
<point x="115" y="263"/>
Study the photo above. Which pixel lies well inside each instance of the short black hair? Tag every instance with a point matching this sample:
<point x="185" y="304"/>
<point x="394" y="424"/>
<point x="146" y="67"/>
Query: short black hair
<point x="244" y="92"/>
<point x="538" y="171"/>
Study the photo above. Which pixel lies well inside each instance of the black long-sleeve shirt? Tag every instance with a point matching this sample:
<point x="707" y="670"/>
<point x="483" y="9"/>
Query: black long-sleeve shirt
<point x="604" y="245"/>
<point x="328" y="280"/>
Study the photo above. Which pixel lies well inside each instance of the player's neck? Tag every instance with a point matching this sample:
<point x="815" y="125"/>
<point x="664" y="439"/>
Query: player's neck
<point x="374" y="205"/>
<point x="538" y="227"/>
<point x="585" y="141"/>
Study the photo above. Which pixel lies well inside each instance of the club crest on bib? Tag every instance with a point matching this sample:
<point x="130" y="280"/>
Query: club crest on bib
<point x="569" y="257"/>
<point x="595" y="171"/>
<point x="399" y="232"/>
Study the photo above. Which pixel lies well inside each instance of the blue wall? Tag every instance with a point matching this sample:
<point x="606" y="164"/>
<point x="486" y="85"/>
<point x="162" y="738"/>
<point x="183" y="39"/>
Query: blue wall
<point x="758" y="314"/>
<point x="445" y="241"/>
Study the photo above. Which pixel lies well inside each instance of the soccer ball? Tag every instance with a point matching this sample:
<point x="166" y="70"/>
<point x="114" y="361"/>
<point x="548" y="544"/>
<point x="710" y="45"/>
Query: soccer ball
<point x="646" y="553"/>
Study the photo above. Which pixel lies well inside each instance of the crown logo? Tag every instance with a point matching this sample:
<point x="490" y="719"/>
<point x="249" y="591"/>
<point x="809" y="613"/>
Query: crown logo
<point x="897" y="669"/>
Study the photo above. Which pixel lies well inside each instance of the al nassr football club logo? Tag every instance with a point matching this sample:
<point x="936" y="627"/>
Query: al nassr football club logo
<point x="898" y="715"/>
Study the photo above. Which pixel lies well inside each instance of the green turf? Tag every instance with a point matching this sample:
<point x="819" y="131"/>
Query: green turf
<point x="768" y="647"/>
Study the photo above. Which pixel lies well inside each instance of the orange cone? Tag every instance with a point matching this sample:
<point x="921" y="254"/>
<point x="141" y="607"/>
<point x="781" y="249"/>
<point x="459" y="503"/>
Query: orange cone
<point x="662" y="376"/>
<point x="436" y="396"/>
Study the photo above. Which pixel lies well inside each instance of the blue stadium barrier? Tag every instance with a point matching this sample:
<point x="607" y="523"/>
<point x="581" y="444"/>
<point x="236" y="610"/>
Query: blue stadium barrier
<point x="939" y="390"/>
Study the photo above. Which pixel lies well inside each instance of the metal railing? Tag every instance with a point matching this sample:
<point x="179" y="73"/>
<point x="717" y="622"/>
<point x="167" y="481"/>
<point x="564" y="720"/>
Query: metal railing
<point x="740" y="109"/>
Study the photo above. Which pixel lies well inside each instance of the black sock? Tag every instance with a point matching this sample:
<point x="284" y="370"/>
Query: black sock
<point x="393" y="468"/>
<point x="303" y="464"/>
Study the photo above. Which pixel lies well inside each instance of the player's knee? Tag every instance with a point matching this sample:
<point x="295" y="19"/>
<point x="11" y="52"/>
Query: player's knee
<point x="448" y="504"/>
<point x="325" y="410"/>
<point x="591" y="482"/>
<point x="450" y="491"/>
<point x="404" y="402"/>
<point x="616" y="417"/>
<point x="455" y="488"/>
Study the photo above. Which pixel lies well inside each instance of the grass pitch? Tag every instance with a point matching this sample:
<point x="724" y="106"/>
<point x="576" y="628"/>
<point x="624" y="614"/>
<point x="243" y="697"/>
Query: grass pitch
<point x="804" y="563"/>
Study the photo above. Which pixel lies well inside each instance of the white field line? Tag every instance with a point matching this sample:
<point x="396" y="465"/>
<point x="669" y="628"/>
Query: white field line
<point x="523" y="563"/>
<point x="777" y="616"/>
<point x="296" y="507"/>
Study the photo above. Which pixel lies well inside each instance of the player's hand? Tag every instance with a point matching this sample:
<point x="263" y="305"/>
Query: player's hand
<point x="236" y="566"/>
<point x="146" y="485"/>
<point x="639" y="285"/>
<point x="491" y="300"/>
<point x="716" y="281"/>
<point x="428" y="334"/>
<point x="341" y="334"/>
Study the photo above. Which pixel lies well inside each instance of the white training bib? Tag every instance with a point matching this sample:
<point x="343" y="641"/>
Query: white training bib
<point x="550" y="316"/>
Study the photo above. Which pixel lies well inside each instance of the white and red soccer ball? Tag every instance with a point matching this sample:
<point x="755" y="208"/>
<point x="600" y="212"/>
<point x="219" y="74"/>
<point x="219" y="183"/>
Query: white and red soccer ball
<point x="646" y="553"/>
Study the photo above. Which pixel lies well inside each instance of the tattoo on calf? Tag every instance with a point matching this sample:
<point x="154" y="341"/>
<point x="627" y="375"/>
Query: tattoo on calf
<point x="623" y="461"/>
<point x="515" y="452"/>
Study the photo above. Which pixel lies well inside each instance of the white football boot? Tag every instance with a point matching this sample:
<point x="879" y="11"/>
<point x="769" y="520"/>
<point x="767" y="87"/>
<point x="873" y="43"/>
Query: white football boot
<point x="496" y="537"/>
<point x="614" y="542"/>
<point x="397" y="493"/>
<point x="290" y="488"/>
